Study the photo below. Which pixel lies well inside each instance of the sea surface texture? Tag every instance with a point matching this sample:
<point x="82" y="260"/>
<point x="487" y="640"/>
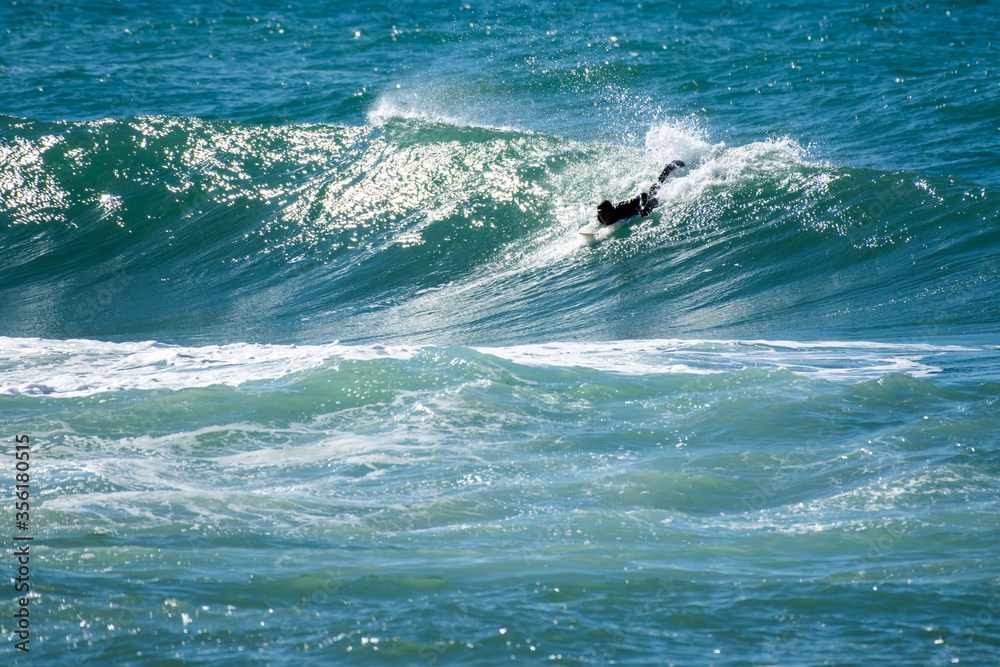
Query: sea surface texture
<point x="316" y="369"/>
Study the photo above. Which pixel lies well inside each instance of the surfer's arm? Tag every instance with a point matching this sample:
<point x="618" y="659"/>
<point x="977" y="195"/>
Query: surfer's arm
<point x="669" y="168"/>
<point x="649" y="201"/>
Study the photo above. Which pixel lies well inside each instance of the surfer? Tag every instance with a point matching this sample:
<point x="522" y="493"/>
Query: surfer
<point x="643" y="204"/>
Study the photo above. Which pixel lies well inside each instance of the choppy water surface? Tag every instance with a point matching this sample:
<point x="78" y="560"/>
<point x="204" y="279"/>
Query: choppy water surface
<point x="316" y="367"/>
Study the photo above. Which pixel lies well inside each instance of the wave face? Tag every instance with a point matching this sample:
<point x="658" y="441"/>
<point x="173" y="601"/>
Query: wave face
<point x="419" y="229"/>
<point x="315" y="368"/>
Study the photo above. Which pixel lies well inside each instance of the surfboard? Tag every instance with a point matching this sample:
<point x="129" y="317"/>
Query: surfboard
<point x="595" y="232"/>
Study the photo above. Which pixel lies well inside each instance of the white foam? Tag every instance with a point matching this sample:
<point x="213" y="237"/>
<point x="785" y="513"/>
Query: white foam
<point x="33" y="366"/>
<point x="831" y="360"/>
<point x="674" y="139"/>
<point x="37" y="367"/>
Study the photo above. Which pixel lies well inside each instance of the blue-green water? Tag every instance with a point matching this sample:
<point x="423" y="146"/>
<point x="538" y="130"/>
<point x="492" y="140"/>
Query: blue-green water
<point x="316" y="368"/>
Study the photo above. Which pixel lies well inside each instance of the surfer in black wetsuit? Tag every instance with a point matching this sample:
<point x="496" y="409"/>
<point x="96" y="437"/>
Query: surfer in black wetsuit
<point x="642" y="204"/>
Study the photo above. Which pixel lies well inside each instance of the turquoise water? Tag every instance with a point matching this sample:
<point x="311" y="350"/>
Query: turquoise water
<point x="316" y="368"/>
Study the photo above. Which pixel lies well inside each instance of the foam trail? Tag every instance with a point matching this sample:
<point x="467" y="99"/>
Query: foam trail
<point x="85" y="367"/>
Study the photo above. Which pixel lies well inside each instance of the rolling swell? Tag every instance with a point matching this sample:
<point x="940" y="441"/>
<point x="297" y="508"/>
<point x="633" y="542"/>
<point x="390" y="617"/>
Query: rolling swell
<point x="419" y="228"/>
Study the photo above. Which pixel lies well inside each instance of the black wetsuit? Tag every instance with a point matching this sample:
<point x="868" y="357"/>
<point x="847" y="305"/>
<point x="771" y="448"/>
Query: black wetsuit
<point x="642" y="204"/>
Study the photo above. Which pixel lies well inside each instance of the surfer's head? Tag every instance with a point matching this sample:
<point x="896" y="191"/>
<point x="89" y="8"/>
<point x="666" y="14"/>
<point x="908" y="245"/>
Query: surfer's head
<point x="605" y="210"/>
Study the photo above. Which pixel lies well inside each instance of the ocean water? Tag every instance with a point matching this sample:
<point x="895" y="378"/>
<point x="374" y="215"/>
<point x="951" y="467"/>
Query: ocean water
<point x="311" y="365"/>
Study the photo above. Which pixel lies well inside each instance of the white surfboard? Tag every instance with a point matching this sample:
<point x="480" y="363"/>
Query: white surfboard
<point x="596" y="232"/>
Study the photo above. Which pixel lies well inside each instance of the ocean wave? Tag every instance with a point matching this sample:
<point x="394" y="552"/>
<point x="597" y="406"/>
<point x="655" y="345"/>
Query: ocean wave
<point x="429" y="228"/>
